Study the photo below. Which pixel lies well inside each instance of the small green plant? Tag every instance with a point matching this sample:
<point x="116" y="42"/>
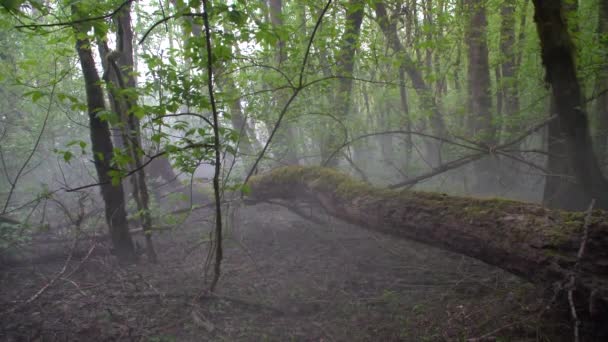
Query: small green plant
<point x="12" y="235"/>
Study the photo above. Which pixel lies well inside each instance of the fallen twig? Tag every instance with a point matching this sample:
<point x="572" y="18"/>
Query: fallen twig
<point x="57" y="276"/>
<point x="571" y="286"/>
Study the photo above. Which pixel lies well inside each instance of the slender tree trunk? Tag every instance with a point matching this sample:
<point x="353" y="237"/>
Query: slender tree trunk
<point x="247" y="141"/>
<point x="406" y="121"/>
<point x="127" y="66"/>
<point x="479" y="100"/>
<point x="441" y="84"/>
<point x="508" y="50"/>
<point x="288" y="137"/>
<point x="427" y="8"/>
<point x="345" y="60"/>
<point x="389" y="29"/>
<point x="423" y="90"/>
<point x="480" y="125"/>
<point x="113" y="195"/>
<point x="120" y="77"/>
<point x="557" y="52"/>
<point x="522" y="32"/>
<point x="507" y="94"/>
<point x="386" y="140"/>
<point x="499" y="91"/>
<point x="601" y="104"/>
<point x="458" y="12"/>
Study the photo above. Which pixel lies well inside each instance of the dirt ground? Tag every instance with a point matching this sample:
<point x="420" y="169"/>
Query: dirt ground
<point x="284" y="278"/>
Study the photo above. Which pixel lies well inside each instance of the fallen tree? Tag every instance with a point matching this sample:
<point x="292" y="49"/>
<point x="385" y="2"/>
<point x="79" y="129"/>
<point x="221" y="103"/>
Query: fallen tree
<point x="538" y="244"/>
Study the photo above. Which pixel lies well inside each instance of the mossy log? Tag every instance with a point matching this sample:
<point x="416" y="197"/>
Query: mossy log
<point x="528" y="240"/>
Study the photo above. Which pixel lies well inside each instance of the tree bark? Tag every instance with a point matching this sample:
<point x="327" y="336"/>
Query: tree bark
<point x="247" y="140"/>
<point x="287" y="137"/>
<point x="508" y="68"/>
<point x="601" y="104"/>
<point x="161" y="167"/>
<point x="113" y="195"/>
<point x="124" y="45"/>
<point x="345" y="60"/>
<point x="480" y="124"/>
<point x="561" y="191"/>
<point x="120" y="77"/>
<point x="428" y="102"/>
<point x="557" y="52"/>
<point x="535" y="243"/>
<point x="522" y="32"/>
<point x="389" y="29"/>
<point x="479" y="99"/>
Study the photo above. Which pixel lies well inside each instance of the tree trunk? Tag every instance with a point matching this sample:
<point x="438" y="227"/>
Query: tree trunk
<point x="441" y="88"/>
<point x="247" y="141"/>
<point x="507" y="105"/>
<point x="535" y="243"/>
<point x="287" y="136"/>
<point x="557" y="52"/>
<point x="480" y="125"/>
<point x="161" y="167"/>
<point x="113" y="195"/>
<point x="386" y="140"/>
<point x="601" y="104"/>
<point x="345" y="60"/>
<point x="479" y="100"/>
<point x="389" y="29"/>
<point x="120" y="77"/>
<point x="458" y="12"/>
<point x="562" y="191"/>
<point x="508" y="68"/>
<point x="423" y="90"/>
<point x="522" y="32"/>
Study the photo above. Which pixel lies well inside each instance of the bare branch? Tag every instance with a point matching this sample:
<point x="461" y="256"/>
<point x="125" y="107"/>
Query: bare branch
<point x="571" y="286"/>
<point x="31" y="154"/>
<point x="295" y="93"/>
<point x="439" y="170"/>
<point x="143" y="165"/>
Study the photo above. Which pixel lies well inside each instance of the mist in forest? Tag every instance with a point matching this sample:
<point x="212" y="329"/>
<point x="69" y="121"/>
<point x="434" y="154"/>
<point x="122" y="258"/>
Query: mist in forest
<point x="396" y="170"/>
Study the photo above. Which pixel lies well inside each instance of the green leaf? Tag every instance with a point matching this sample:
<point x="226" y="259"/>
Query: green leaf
<point x="35" y="94"/>
<point x="230" y="150"/>
<point x="12" y="5"/>
<point x="157" y="137"/>
<point x="75" y="142"/>
<point x="139" y="112"/>
<point x="67" y="156"/>
<point x="222" y="52"/>
<point x="237" y="17"/>
<point x="116" y="176"/>
<point x="172" y="107"/>
<point x="109" y="116"/>
<point x="246" y="189"/>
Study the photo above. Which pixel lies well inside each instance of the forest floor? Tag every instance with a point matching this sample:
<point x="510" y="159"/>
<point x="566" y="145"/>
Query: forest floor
<point x="284" y="278"/>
